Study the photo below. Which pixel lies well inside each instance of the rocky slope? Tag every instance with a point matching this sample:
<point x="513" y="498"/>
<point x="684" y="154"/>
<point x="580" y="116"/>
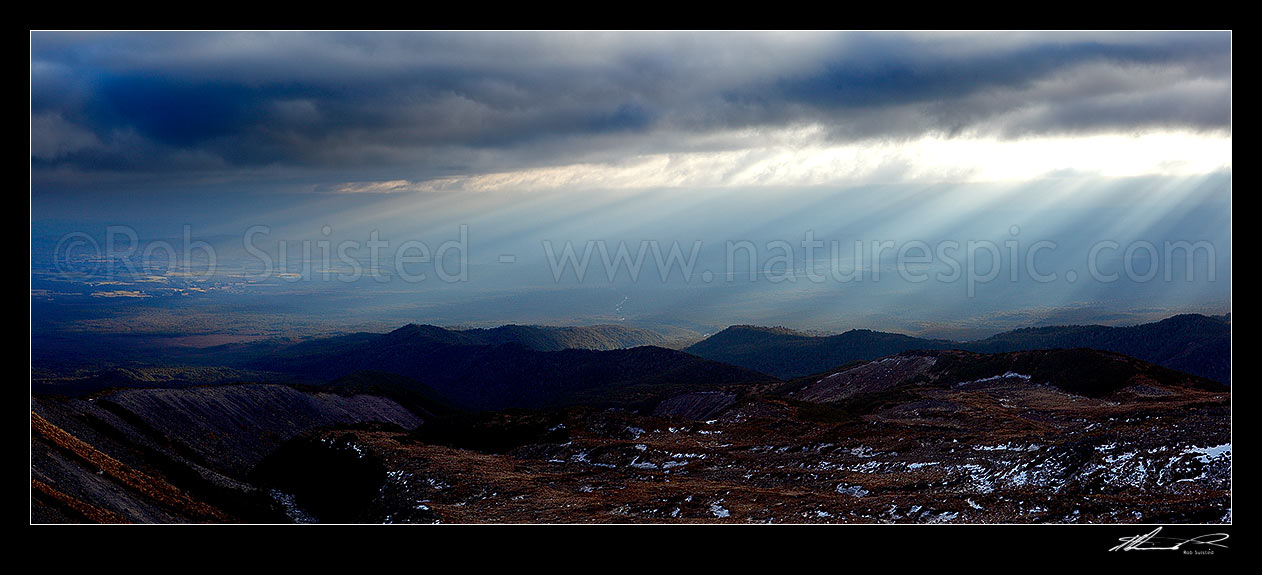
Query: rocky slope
<point x="176" y="455"/>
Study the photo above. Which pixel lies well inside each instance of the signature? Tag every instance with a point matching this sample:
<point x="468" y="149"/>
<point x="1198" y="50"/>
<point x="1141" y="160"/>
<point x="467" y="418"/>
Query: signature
<point x="1151" y="542"/>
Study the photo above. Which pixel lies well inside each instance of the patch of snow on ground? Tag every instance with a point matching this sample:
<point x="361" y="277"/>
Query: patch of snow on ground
<point x="1205" y="454"/>
<point x="643" y="464"/>
<point x="855" y="490"/>
<point x="294" y="512"/>
<point x="1006" y="375"/>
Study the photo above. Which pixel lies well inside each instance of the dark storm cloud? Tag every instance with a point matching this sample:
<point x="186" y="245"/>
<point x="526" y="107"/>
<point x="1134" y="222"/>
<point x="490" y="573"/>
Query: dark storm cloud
<point x="425" y="105"/>
<point x="884" y="85"/>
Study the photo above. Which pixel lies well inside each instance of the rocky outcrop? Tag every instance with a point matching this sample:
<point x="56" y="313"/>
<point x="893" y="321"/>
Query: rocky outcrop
<point x="871" y="377"/>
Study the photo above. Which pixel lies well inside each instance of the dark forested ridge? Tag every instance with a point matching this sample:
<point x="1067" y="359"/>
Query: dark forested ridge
<point x="1196" y="344"/>
<point x="475" y="374"/>
<point x="785" y="353"/>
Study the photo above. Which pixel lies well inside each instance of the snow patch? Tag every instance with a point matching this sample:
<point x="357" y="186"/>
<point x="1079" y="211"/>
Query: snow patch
<point x="1006" y="375"/>
<point x="854" y="490"/>
<point x="1206" y="454"/>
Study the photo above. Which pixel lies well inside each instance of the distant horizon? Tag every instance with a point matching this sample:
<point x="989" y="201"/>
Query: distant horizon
<point x="795" y="331"/>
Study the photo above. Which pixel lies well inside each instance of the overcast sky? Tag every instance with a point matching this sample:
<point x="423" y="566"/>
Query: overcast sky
<point x="384" y="112"/>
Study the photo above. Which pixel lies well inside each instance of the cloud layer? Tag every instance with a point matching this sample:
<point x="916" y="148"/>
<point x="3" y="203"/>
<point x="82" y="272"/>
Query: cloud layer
<point x="428" y="107"/>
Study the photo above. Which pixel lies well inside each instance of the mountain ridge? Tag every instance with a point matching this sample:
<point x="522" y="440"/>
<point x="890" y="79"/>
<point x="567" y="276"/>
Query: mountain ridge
<point x="495" y="376"/>
<point x="1197" y="344"/>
